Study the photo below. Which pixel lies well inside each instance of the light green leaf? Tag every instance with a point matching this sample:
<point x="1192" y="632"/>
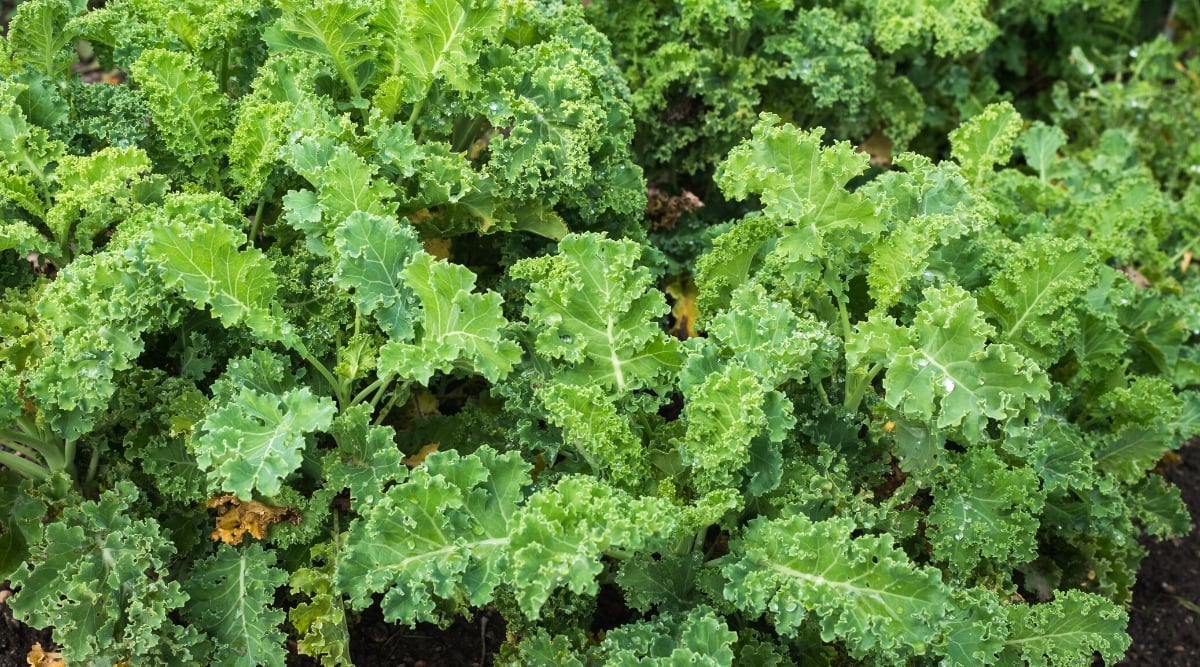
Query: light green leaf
<point x="943" y="371"/>
<point x="438" y="39"/>
<point x="458" y="328"/>
<point x="1034" y="299"/>
<point x="561" y="534"/>
<point x="41" y="32"/>
<point x="1039" y="144"/>
<point x="864" y="591"/>
<point x="190" y="113"/>
<point x="1065" y="632"/>
<point x="255" y="441"/>
<point x="203" y="260"/>
<point x="596" y="427"/>
<point x="321" y="621"/>
<point x="986" y="140"/>
<point x="985" y="510"/>
<point x="366" y="460"/>
<point x="232" y="600"/>
<point x="803" y="183"/>
<point x="372" y="253"/>
<point x="333" y="29"/>
<point x="437" y="541"/>
<point x="596" y="313"/>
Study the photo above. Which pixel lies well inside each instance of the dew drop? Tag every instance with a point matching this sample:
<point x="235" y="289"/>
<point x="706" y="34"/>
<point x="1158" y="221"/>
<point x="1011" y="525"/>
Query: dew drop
<point x="948" y="385"/>
<point x="922" y="363"/>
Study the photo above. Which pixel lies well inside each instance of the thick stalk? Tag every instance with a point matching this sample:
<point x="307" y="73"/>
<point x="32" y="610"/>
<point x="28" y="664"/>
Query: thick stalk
<point x="24" y="467"/>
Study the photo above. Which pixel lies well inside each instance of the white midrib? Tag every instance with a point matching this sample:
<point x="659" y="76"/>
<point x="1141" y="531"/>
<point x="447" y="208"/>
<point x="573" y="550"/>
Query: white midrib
<point x="616" y="361"/>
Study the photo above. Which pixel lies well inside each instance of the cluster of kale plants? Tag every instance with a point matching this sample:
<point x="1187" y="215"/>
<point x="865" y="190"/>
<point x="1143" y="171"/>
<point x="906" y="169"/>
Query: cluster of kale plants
<point x="339" y="303"/>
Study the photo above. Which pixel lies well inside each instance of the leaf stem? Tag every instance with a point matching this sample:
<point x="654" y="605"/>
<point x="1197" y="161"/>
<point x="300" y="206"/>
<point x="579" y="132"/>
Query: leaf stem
<point x="23" y="466"/>
<point x="257" y="219"/>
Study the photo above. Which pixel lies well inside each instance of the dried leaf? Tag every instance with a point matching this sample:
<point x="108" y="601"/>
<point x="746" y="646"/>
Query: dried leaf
<point x="664" y="210"/>
<point x="439" y="247"/>
<point x="236" y="518"/>
<point x="39" y="657"/>
<point x="879" y="147"/>
<point x="684" y="312"/>
<point x="419" y="458"/>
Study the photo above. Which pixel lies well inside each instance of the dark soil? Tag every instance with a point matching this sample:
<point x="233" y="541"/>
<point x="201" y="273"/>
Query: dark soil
<point x="1164" y="620"/>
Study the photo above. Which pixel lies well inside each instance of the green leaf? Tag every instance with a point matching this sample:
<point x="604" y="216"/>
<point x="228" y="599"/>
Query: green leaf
<point x="561" y="534"/>
<point x="321" y="621"/>
<point x="41" y="32"/>
<point x="862" y="591"/>
<point x="100" y="578"/>
<point x="366" y="460"/>
<point x="190" y="113"/>
<point x="986" y="140"/>
<point x="203" y="260"/>
<point x="943" y="371"/>
<point x="232" y="600"/>
<point x="332" y="29"/>
<point x="698" y="637"/>
<point x="459" y="328"/>
<point x="255" y="441"/>
<point x="436" y="40"/>
<point x="436" y="541"/>
<point x="801" y="182"/>
<point x="372" y="254"/>
<point x="959" y="27"/>
<point x="1158" y="505"/>
<point x="344" y="182"/>
<point x="1039" y="144"/>
<point x="985" y="510"/>
<point x="1034" y="299"/>
<point x="97" y="191"/>
<point x="596" y="313"/>
<point x="598" y="429"/>
<point x="1065" y="632"/>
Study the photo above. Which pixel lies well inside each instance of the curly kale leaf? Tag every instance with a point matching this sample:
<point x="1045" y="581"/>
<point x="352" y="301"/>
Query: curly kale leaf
<point x="232" y="601"/>
<point x="942" y="370"/>
<point x="458" y="328"/>
<point x="100" y="578"/>
<point x="595" y="313"/>
<point x="255" y="441"/>
<point x="864" y="591"/>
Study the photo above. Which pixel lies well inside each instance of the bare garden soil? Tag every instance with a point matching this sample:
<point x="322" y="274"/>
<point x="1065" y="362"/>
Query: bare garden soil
<point x="1164" y="620"/>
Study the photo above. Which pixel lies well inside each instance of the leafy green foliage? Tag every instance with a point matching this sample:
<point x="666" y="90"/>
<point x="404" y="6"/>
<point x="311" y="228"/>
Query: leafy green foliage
<point x="812" y="335"/>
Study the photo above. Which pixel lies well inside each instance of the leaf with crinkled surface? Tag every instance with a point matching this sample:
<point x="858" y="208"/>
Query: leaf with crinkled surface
<point x="956" y="27"/>
<point x="372" y="253"/>
<point x="98" y="190"/>
<point x="232" y="600"/>
<point x="434" y="40"/>
<point x="561" y="533"/>
<point x="100" y="578"/>
<point x="594" y="425"/>
<point x="366" y="459"/>
<point x="1065" y="632"/>
<point x="458" y="327"/>
<point x="189" y="111"/>
<point x="321" y="621"/>
<point x="1034" y="299"/>
<point x="203" y="260"/>
<point x="986" y="140"/>
<point x="942" y="370"/>
<point x="438" y="540"/>
<point x="255" y="441"/>
<point x="336" y="30"/>
<point x="41" y="32"/>
<point x="864" y="591"/>
<point x="985" y="510"/>
<point x="802" y="182"/>
<point x="596" y="313"/>
<point x="698" y="637"/>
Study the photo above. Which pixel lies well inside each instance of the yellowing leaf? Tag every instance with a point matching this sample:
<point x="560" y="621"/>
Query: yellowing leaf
<point x="439" y="247"/>
<point x="39" y="657"/>
<point x="684" y="312"/>
<point x="419" y="458"/>
<point x="236" y="518"/>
